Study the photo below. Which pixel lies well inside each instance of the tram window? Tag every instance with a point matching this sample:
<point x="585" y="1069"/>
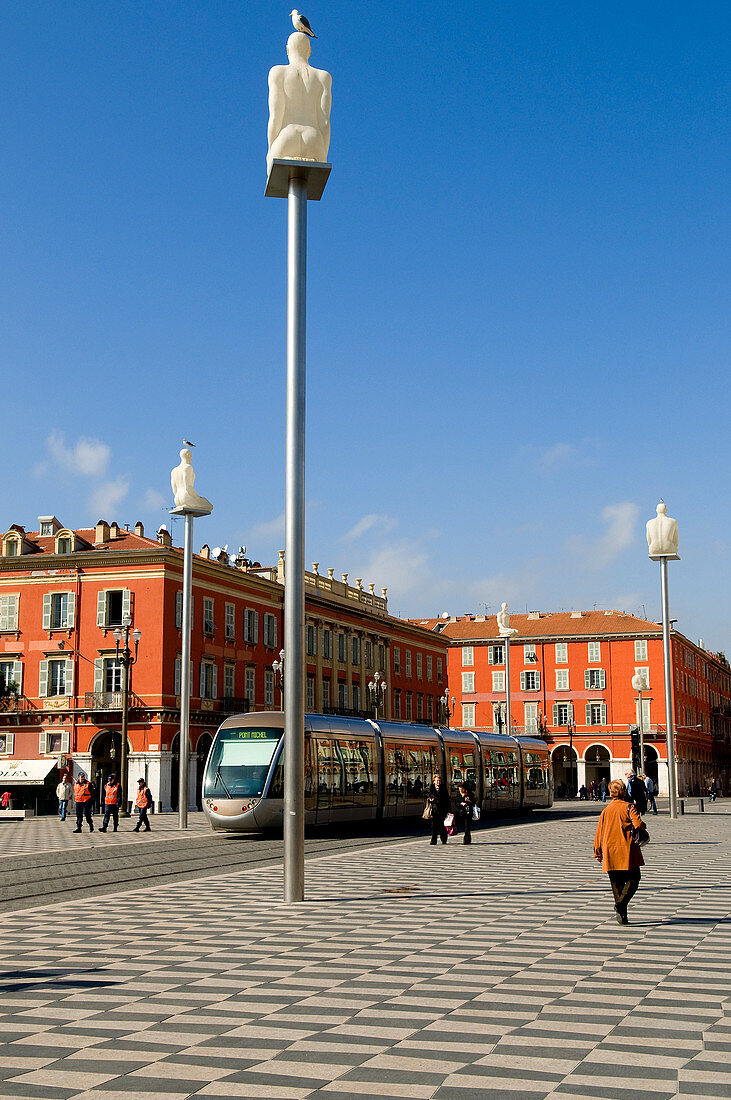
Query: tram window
<point x="276" y="787"/>
<point x="359" y="765"/>
<point x="324" y="770"/>
<point x="239" y="762"/>
<point x="414" y="780"/>
<point x="339" y="779"/>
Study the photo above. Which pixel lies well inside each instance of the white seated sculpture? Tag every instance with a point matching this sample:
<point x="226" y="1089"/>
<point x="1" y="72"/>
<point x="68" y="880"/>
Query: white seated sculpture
<point x="300" y="98"/>
<point x="182" y="479"/>
<point x="662" y="534"/>
<point x="503" y="623"/>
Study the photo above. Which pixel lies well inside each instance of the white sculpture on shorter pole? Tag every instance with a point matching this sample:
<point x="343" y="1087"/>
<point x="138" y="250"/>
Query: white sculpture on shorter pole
<point x="662" y="542"/>
<point x="506" y="631"/>
<point x="189" y="504"/>
<point x="639" y="683"/>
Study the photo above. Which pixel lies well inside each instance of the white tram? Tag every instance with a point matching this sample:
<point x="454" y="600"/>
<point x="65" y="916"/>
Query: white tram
<point x="357" y="769"/>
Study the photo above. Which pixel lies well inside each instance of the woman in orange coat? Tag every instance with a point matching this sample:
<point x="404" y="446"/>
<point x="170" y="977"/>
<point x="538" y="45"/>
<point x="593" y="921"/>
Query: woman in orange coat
<point x="613" y="846"/>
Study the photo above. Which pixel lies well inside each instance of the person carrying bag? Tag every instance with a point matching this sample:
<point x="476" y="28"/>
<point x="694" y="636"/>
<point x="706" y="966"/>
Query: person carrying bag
<point x="438" y="800"/>
<point x="617" y="845"/>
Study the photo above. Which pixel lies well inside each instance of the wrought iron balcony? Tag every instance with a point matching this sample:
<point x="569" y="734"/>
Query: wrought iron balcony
<point x="14" y="704"/>
<point x="110" y="700"/>
<point x="232" y="705"/>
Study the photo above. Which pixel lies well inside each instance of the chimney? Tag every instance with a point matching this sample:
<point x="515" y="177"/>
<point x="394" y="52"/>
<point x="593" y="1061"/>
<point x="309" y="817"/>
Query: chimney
<point x="139" y="529"/>
<point x="206" y="551"/>
<point x="163" y="536"/>
<point x="114" y="530"/>
<point x="534" y="614"/>
<point x="576" y="614"/>
<point x="101" y="533"/>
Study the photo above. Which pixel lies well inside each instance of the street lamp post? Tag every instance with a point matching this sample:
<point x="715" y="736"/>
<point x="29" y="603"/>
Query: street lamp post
<point x="126" y="660"/>
<point x="571" y="727"/>
<point x="377" y="688"/>
<point x="662" y="542"/>
<point x="278" y="669"/>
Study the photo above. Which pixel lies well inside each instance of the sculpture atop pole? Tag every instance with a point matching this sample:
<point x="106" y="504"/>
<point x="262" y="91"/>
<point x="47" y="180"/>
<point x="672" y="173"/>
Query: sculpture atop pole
<point x="662" y="542"/>
<point x="506" y="631"/>
<point x="299" y="139"/>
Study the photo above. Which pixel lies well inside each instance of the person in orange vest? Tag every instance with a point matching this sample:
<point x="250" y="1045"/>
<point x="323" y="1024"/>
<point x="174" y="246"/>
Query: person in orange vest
<point x="111" y="803"/>
<point x="143" y="801"/>
<point x="83" y="800"/>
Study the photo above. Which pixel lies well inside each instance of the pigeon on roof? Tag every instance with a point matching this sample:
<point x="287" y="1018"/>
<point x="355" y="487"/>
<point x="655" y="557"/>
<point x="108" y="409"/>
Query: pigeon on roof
<point x="302" y="23"/>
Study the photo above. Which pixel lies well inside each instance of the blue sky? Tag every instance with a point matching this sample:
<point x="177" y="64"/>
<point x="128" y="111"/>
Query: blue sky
<point x="518" y="290"/>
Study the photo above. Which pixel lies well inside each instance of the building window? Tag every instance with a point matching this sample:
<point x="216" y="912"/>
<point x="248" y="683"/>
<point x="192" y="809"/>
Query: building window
<point x="58" y="610"/>
<point x="530" y="680"/>
<point x="498" y="681"/>
<point x="595" y="679"/>
<point x="468" y="714"/>
<point x="562" y="679"/>
<point x="12" y="548"/>
<point x="113" y="673"/>
<point x="230" y="621"/>
<point x="55" y="677"/>
<point x="409" y="705"/>
<point x="408" y="661"/>
<point x="529" y="653"/>
<point x="208" y="680"/>
<point x="179" y="610"/>
<point x="562" y="653"/>
<point x="342" y="649"/>
<point x="251" y="626"/>
<point x="419" y="666"/>
<point x="531" y="717"/>
<point x="270" y="631"/>
<point x="468" y="656"/>
<point x="381" y="658"/>
<point x="419" y="705"/>
<point x="327" y="644"/>
<point x="178" y="680"/>
<point x="496" y="655"/>
<point x="397" y="704"/>
<point x="430" y="707"/>
<point x="207" y="616"/>
<point x="9" y="612"/>
<point x="229" y="677"/>
<point x="7" y="741"/>
<point x="310" y="693"/>
<point x="561" y="713"/>
<point x="369" y="654"/>
<point x="268" y="688"/>
<point x="311" y="640"/>
<point x="595" y="652"/>
<point x="596" y="714"/>
<point x="640" y="650"/>
<point x="429" y="667"/>
<point x="646" y="714"/>
<point x="113" y="606"/>
<point x="439" y="669"/>
<point x="355" y="649"/>
<point x="396" y="659"/>
<point x="250" y="686"/>
<point x="468" y="681"/>
<point x="356" y="696"/>
<point x="11" y="677"/>
<point x="342" y="695"/>
<point x="325" y="694"/>
<point x="47" y="528"/>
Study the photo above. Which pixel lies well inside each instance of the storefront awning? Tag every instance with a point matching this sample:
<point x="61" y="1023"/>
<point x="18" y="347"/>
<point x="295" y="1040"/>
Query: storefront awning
<point x="24" y="773"/>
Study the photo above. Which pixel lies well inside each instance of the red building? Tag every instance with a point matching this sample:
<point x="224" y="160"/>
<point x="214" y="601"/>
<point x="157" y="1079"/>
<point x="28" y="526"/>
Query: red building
<point x="571" y="682"/>
<point x="64" y="593"/>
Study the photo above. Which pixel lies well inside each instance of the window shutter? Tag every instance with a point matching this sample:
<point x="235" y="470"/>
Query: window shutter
<point x="98" y="674"/>
<point x="538" y="680"/>
<point x="190" y="681"/>
<point x="604" y="714"/>
<point x="215" y="681"/>
<point x="9" y="743"/>
<point x="588" y="714"/>
<point x="202" y="685"/>
<point x="255" y="616"/>
<point x="555" y="714"/>
<point x="18" y="675"/>
<point x="126" y="603"/>
<point x="101" y="608"/>
<point x="273" y="620"/>
<point x="176" y="687"/>
<point x="69" y="678"/>
<point x="43" y="679"/>
<point x="602" y="679"/>
<point x="179" y="610"/>
<point x="71" y="610"/>
<point x="47" y="611"/>
<point x="522" y="681"/>
<point x="42" y="743"/>
<point x="586" y="678"/>
<point x="65" y="740"/>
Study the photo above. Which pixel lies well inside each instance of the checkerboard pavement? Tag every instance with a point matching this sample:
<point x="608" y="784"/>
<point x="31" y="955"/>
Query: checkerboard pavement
<point x="494" y="971"/>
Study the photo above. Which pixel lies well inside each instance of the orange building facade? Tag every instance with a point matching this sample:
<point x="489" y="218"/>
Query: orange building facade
<point x="571" y="683"/>
<point x="64" y="593"/>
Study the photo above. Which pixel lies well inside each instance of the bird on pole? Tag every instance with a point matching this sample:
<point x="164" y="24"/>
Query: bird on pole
<point x="188" y="443"/>
<point x="302" y="23"/>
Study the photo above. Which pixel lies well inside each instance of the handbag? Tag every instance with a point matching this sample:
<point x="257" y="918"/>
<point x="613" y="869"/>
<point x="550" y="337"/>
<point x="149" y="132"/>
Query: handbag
<point x="475" y="813"/>
<point x="640" y="837"/>
<point x="428" y="812"/>
<point x="449" y="821"/>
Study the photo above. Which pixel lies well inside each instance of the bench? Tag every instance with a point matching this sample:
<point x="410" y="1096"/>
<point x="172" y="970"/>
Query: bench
<point x="15" y="815"/>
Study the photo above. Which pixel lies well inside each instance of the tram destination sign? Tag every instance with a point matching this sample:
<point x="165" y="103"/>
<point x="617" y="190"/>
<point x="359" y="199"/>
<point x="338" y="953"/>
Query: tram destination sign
<point x="251" y="735"/>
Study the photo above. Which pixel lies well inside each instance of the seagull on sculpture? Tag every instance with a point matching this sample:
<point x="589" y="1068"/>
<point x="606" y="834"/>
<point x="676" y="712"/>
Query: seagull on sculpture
<point x="188" y="443"/>
<point x="302" y="23"/>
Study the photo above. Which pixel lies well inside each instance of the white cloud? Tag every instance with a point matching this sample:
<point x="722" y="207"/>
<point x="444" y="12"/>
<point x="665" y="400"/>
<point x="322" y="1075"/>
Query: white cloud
<point x="153" y="501"/>
<point x="557" y="455"/>
<point x="621" y="530"/>
<point x="368" y="523"/>
<point x="268" y="529"/>
<point x="107" y="496"/>
<point x="85" y="458"/>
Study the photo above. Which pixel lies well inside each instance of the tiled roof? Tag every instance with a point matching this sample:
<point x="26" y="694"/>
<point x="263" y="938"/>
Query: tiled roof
<point x="125" y="540"/>
<point x="548" y="624"/>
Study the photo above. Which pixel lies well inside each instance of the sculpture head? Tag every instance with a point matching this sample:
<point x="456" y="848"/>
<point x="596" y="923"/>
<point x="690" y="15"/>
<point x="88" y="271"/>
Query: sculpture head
<point x="299" y="48"/>
<point x="186" y="456"/>
<point x="505" y="607"/>
<point x="662" y="508"/>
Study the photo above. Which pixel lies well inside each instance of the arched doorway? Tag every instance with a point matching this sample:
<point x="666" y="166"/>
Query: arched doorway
<point x="651" y="763"/>
<point x="106" y="754"/>
<point x="565" y="771"/>
<point x="202" y="749"/>
<point x="597" y="764"/>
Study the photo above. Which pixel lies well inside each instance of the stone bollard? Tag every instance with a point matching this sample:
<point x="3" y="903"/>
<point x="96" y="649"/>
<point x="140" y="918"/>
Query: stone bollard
<point x="701" y="806"/>
<point x="681" y="806"/>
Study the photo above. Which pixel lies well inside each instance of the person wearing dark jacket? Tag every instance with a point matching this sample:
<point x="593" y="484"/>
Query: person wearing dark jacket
<point x="463" y="813"/>
<point x="438" y="799"/>
<point x="637" y="793"/>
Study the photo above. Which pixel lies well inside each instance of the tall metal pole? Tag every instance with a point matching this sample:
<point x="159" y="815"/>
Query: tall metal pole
<point x="642" y="735"/>
<point x="507" y="685"/>
<point x="185" y="675"/>
<point x="667" y="664"/>
<point x="125" y="702"/>
<point x="294" y="577"/>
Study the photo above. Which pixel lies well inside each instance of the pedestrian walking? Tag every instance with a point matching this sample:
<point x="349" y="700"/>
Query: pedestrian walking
<point x="83" y="795"/>
<point x="463" y="813"/>
<point x="438" y="799"/>
<point x="112" y="792"/>
<point x="650" y="788"/>
<point x="143" y="802"/>
<point x="64" y="792"/>
<point x="712" y="789"/>
<point x="603" y="789"/>
<point x="637" y="792"/>
<point x="616" y="849"/>
<point x="5" y="800"/>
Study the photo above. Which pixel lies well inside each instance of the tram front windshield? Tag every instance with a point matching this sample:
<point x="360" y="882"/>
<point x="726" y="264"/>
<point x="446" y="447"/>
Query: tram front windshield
<point x="239" y="762"/>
